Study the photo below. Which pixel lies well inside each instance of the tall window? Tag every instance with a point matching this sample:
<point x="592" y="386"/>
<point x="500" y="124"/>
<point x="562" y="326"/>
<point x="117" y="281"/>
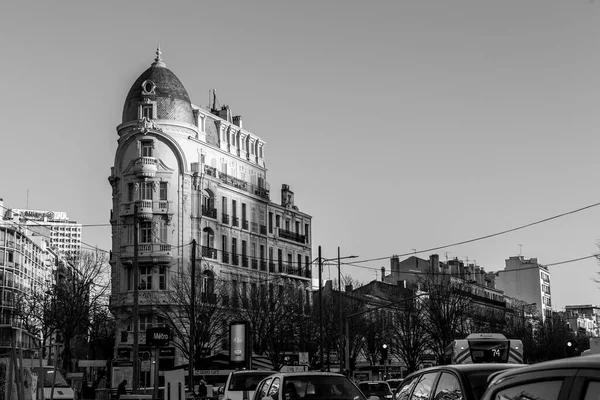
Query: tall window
<point x="287" y="224"/>
<point x="146" y="191"/>
<point x="147" y="146"/>
<point x="145" y="278"/>
<point x="233" y="246"/>
<point x="253" y="250"/>
<point x="145" y="322"/>
<point x="262" y="252"/>
<point x="243" y="211"/>
<point x="270" y="222"/>
<point x="146" y="232"/>
<point x="234" y="293"/>
<point x="162" y="231"/>
<point x="147" y="111"/>
<point x="243" y="248"/>
<point x="299" y="266"/>
<point x="306" y="232"/>
<point x="298" y="227"/>
<point x="224" y="202"/>
<point x="280" y="259"/>
<point x="163" y="191"/>
<point x="208" y="238"/>
<point x="277" y="221"/>
<point x="131" y="192"/>
<point x="162" y="278"/>
<point x="233" y="208"/>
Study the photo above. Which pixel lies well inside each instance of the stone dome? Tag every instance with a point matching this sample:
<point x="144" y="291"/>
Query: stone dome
<point x="158" y="84"/>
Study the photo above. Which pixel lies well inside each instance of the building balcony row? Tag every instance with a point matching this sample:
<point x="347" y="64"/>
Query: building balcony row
<point x="145" y="167"/>
<point x="147" y="208"/>
<point x="155" y="253"/>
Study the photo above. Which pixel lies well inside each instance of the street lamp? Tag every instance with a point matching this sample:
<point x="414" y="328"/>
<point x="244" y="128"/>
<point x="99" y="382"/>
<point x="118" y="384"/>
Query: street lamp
<point x="321" y="261"/>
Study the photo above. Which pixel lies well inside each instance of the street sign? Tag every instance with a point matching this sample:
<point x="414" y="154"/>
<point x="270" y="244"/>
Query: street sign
<point x="303" y="357"/>
<point x="145" y="366"/>
<point x="158" y="336"/>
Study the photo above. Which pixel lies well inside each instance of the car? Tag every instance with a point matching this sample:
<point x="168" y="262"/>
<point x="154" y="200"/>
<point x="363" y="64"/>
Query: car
<point x="379" y="389"/>
<point x="565" y="379"/>
<point x="394" y="383"/>
<point x="315" y="385"/>
<point x="240" y="385"/>
<point x="456" y="381"/>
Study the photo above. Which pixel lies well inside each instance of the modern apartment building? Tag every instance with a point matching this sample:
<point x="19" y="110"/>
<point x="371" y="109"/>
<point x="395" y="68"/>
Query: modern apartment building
<point x="192" y="173"/>
<point x="528" y="281"/>
<point x="62" y="234"/>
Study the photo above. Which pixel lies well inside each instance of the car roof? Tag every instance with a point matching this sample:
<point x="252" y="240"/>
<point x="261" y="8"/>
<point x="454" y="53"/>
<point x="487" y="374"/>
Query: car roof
<point x="252" y="372"/>
<point x="590" y="362"/>
<point x="373" y="382"/>
<point x="470" y="367"/>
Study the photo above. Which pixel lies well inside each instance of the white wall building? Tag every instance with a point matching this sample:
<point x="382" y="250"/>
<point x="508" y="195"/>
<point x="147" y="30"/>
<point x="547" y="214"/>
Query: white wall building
<point x="194" y="174"/>
<point x="528" y="281"/>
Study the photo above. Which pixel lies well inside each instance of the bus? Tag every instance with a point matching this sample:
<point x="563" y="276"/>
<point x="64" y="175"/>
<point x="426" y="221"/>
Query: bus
<point x="484" y="348"/>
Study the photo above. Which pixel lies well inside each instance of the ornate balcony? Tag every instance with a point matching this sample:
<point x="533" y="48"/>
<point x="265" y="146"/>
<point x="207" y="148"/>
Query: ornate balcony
<point x="289" y="235"/>
<point x="209" y="252"/>
<point x="144" y="209"/>
<point x="209" y="212"/>
<point x="225" y="218"/>
<point x="145" y="167"/>
<point x="210" y="171"/>
<point x="235" y="221"/>
<point x="148" y="253"/>
<point x="258" y="190"/>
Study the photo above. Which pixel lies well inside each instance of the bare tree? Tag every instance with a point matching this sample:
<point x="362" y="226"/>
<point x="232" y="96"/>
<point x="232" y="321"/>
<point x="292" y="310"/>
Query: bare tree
<point x="447" y="304"/>
<point x="274" y="309"/>
<point x="78" y="292"/>
<point x="409" y="334"/>
<point x="176" y="311"/>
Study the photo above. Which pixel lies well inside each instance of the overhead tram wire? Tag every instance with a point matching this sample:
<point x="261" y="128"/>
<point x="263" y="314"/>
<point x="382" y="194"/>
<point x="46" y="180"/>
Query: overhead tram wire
<point x="482" y="237"/>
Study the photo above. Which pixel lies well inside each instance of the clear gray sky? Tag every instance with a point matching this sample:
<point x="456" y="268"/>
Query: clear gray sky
<point x="399" y="125"/>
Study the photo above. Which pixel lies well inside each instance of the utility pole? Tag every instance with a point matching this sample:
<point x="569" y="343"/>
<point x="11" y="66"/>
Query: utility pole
<point x="136" y="316"/>
<point x="192" y="317"/>
<point x="341" y="339"/>
<point x="320" y="311"/>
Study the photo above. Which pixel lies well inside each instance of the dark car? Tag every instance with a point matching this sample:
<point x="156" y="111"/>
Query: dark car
<point x="457" y="381"/>
<point x="308" y="386"/>
<point x="380" y="389"/>
<point x="564" y="379"/>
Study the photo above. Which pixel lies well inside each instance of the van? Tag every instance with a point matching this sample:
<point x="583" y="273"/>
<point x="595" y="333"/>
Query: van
<point x="46" y="377"/>
<point x="241" y="385"/>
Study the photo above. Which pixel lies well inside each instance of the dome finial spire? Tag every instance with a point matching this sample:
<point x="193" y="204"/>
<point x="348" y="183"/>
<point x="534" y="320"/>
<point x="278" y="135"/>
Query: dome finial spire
<point x="158" y="60"/>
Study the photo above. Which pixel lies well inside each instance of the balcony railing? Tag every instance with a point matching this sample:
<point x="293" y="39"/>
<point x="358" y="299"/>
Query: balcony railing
<point x="145" y="167"/>
<point x="209" y="212"/>
<point x="225" y="218"/>
<point x="289" y="235"/>
<point x="210" y="171"/>
<point x="235" y="259"/>
<point x="254" y="263"/>
<point x="244" y="224"/>
<point x="235" y="221"/>
<point x="209" y="252"/>
<point x="159" y="253"/>
<point x="225" y="257"/>
<point x="258" y="190"/>
<point x="244" y="261"/>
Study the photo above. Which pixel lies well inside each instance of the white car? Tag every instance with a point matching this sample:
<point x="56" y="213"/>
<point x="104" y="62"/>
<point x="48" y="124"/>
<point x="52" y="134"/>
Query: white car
<point x="241" y="385"/>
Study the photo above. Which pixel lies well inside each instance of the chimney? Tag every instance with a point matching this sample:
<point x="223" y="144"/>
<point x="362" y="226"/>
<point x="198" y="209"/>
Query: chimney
<point x="287" y="196"/>
<point x="382" y="274"/>
<point x="349" y="288"/>
<point x="395" y="265"/>
<point x="434" y="262"/>
<point x="237" y="120"/>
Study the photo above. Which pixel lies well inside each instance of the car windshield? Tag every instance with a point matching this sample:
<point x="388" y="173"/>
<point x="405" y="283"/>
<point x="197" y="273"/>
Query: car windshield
<point x="320" y="387"/>
<point x="247" y="380"/>
<point x="374" y="387"/>
<point x="50" y="376"/>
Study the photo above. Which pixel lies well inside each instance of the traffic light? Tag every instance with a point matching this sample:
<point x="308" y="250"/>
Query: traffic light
<point x="570" y="348"/>
<point x="384" y="353"/>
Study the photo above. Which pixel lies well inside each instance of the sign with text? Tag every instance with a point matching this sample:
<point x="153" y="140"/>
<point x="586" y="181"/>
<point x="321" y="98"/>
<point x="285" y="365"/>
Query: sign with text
<point x="158" y="336"/>
<point x="239" y="333"/>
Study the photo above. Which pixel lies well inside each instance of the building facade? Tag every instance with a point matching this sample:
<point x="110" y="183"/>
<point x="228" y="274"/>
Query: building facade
<point x="583" y="319"/>
<point x="62" y="234"/>
<point x="528" y="281"/>
<point x="184" y="173"/>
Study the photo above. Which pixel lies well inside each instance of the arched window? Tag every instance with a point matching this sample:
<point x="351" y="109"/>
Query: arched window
<point x="208" y="204"/>
<point x="208" y="243"/>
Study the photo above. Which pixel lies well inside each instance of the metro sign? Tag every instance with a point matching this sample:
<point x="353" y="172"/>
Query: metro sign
<point x="158" y="336"/>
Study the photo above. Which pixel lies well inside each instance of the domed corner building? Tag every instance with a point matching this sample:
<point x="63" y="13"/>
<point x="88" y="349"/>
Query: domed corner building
<point x="185" y="173"/>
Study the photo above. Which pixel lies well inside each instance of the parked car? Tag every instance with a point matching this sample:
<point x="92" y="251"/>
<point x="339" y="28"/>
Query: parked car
<point x="564" y="379"/>
<point x="308" y="386"/>
<point x="457" y="381"/>
<point x="394" y="383"/>
<point x="240" y="385"/>
<point x="380" y="389"/>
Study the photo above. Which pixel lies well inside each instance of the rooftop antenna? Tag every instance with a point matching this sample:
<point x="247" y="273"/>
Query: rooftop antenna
<point x="520" y="250"/>
<point x="447" y="252"/>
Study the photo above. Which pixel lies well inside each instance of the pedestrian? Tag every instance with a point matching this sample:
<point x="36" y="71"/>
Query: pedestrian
<point x="202" y="389"/>
<point x="122" y="388"/>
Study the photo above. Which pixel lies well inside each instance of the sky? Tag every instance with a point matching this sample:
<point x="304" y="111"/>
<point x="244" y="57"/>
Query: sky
<point x="400" y="126"/>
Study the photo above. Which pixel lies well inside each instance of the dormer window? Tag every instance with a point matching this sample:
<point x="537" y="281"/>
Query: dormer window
<point x="147" y="111"/>
<point x="147" y="147"/>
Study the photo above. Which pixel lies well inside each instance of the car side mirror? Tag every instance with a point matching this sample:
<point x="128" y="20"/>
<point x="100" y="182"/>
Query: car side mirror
<point x="221" y="390"/>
